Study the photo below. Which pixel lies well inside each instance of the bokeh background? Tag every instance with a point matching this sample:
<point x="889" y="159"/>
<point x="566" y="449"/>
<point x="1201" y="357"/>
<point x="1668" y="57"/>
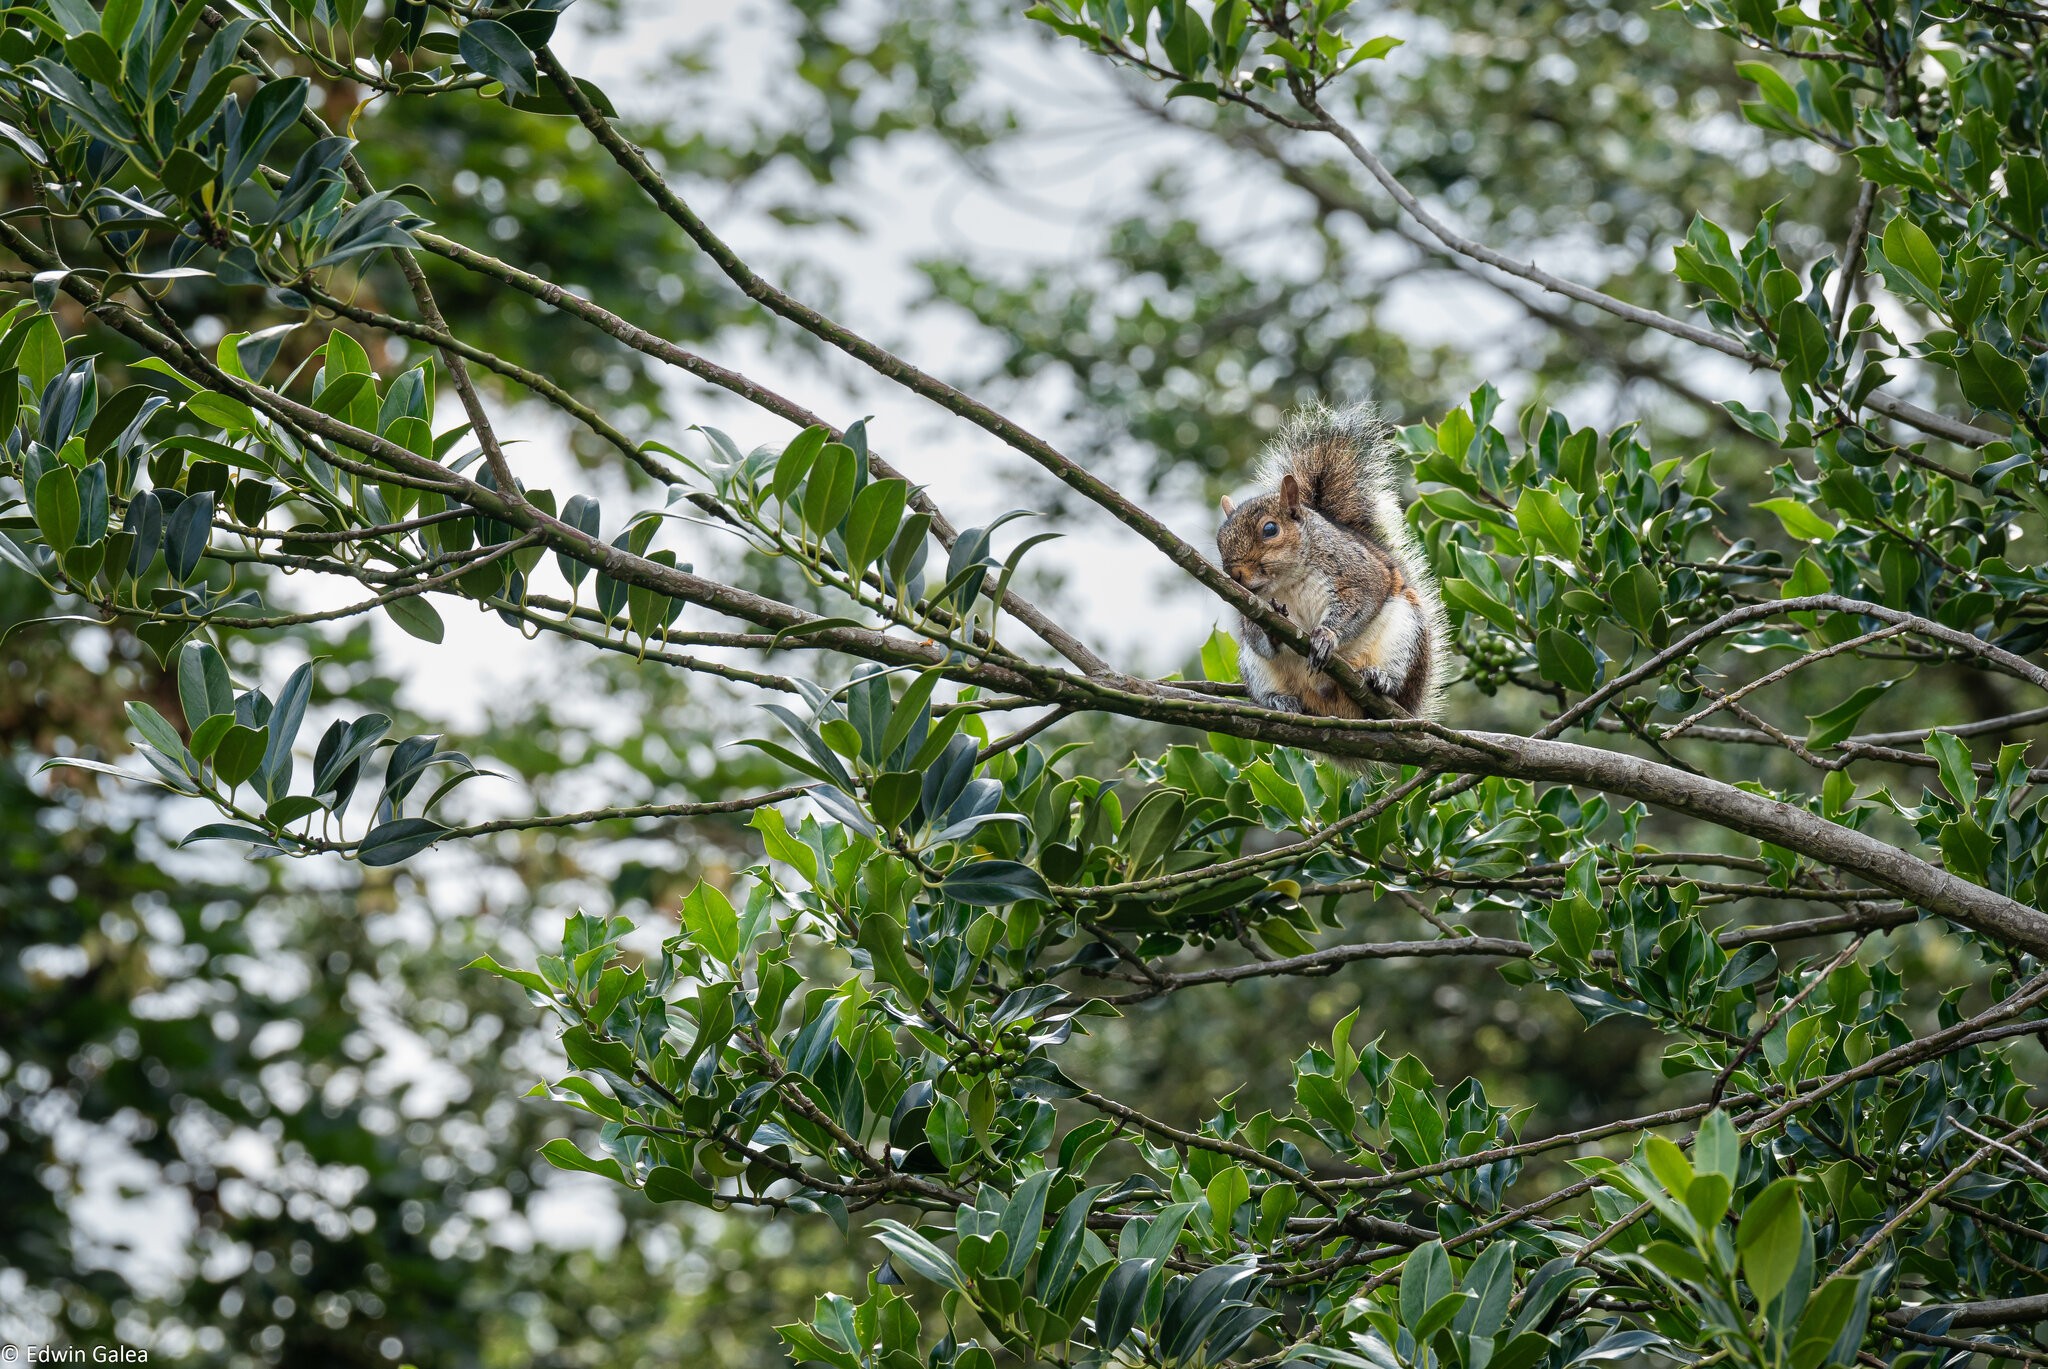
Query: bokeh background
<point x="260" y="1114"/>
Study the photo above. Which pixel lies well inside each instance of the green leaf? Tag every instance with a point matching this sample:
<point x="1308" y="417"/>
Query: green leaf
<point x="204" y="690"/>
<point x="1417" y="1122"/>
<point x="1441" y="1314"/>
<point x="526" y="979"/>
<point x="1841" y="1304"/>
<point x="1372" y="49"/>
<point x="1993" y="380"/>
<point x="290" y="809"/>
<point x="1185" y="37"/>
<point x="1776" y="89"/>
<point x="1802" y="343"/>
<point x="1952" y="754"/>
<point x="1966" y="848"/>
<point x="274" y="108"/>
<point x="1678" y="1262"/>
<point x="1326" y="1100"/>
<point x="1276" y="790"/>
<point x="230" y="831"/>
<point x="1562" y="657"/>
<point x="884" y="939"/>
<point x="1638" y="594"/>
<point x="340" y="393"/>
<point x="1544" y="522"/>
<point x="56" y="507"/>
<point x="1022" y="1221"/>
<point x="1220" y="657"/>
<point x="1668" y="1163"/>
<point x="345" y="356"/>
<point x="341" y="748"/>
<point x="1706" y="1197"/>
<point x="1154" y="828"/>
<point x="495" y="50"/>
<point x="1491" y="1281"/>
<point x="1718" y="1147"/>
<point x="94" y="57"/>
<point x="795" y="462"/>
<point x="42" y="353"/>
<point x="1522" y="1351"/>
<point x="1425" y="1281"/>
<point x="207" y="735"/>
<point x="992" y="883"/>
<point x="563" y="1154"/>
<point x="1799" y="520"/>
<point x="948" y="1131"/>
<point x="155" y="729"/>
<point x="1229" y="1189"/>
<point x="416" y="617"/>
<point x="239" y="753"/>
<point x="1121" y="1302"/>
<point x="1827" y="728"/>
<point x="117" y="20"/>
<point x="1768" y="1239"/>
<point x="186" y="534"/>
<point x="552" y="102"/>
<point x="391" y="842"/>
<point x="908" y="712"/>
<point x="1062" y="1253"/>
<point x="1754" y="421"/>
<point x="276" y="769"/>
<point x="828" y="490"/>
<point x="1577" y="925"/>
<point x="1906" y="244"/>
<point x="1469" y="596"/>
<point x="1454" y="435"/>
<point x="670" y="1184"/>
<point x="914" y="1251"/>
<point x="877" y="510"/>
<point x="712" y="923"/>
<point x="893" y="797"/>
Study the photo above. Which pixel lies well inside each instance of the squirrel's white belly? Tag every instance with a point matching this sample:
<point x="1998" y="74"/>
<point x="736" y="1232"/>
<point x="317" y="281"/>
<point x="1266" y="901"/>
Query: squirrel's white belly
<point x="1388" y="642"/>
<point x="1303" y="600"/>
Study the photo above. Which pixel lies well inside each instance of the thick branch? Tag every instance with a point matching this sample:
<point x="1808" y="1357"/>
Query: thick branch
<point x="1497" y="754"/>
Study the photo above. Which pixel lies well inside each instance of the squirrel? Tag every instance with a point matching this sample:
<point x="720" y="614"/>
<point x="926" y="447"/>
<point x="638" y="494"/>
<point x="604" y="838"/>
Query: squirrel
<point x="1329" y="549"/>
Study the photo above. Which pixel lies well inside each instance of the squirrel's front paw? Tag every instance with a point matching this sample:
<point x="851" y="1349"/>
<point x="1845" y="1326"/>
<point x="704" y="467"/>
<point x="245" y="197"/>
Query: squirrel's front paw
<point x="1322" y="644"/>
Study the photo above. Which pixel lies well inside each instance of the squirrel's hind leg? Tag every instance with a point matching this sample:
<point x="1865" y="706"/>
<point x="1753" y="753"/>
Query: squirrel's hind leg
<point x="1260" y="666"/>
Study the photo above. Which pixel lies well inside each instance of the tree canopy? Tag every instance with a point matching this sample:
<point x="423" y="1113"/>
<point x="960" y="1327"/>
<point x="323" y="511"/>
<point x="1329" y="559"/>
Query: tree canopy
<point x="962" y="872"/>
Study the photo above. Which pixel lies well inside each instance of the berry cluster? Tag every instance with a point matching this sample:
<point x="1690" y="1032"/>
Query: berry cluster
<point x="1713" y="598"/>
<point x="989" y="1050"/>
<point x="1492" y="658"/>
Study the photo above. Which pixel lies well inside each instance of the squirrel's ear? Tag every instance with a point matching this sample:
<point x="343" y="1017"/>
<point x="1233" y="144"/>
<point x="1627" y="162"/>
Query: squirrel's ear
<point x="1290" y="494"/>
<point x="1228" y="506"/>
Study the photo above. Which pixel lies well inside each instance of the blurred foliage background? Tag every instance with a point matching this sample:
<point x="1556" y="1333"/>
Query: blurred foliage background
<point x="263" y="1116"/>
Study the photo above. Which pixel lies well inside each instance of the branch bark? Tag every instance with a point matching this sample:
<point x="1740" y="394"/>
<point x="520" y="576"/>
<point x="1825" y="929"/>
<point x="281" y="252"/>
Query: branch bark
<point x="1936" y="425"/>
<point x="918" y="382"/>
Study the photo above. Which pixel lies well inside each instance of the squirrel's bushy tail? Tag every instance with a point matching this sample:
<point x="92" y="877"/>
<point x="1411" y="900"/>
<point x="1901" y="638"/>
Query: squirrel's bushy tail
<point x="1350" y="472"/>
<point x="1344" y="460"/>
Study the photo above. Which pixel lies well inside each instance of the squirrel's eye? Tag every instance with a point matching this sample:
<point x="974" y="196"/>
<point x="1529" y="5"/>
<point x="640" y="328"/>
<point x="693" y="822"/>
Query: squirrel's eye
<point x="1271" y="530"/>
